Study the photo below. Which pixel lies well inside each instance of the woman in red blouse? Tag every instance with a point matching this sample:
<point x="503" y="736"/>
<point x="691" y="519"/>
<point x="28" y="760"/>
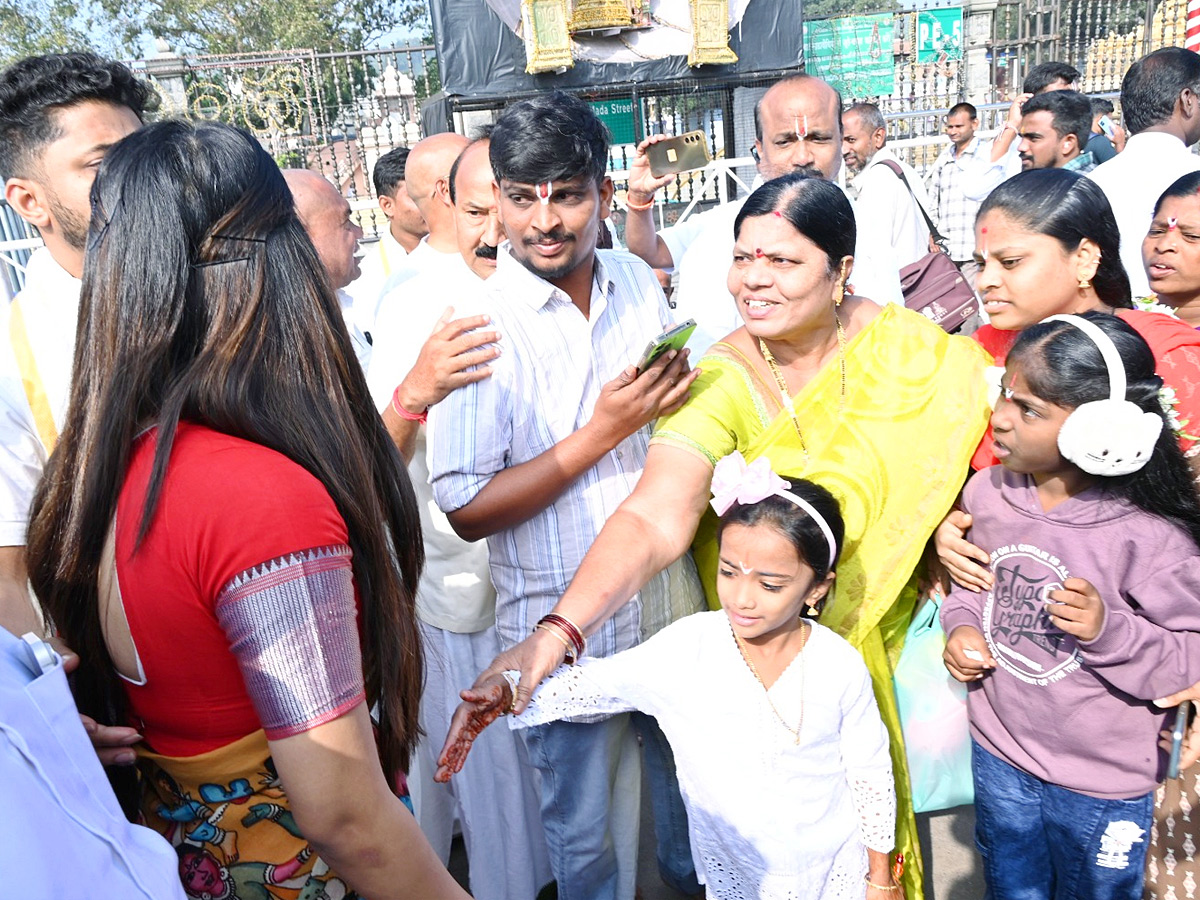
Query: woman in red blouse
<point x="226" y="535"/>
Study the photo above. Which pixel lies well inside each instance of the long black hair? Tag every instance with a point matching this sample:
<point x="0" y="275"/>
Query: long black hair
<point x="813" y="206"/>
<point x="1067" y="207"/>
<point x="1063" y="366"/>
<point x="203" y="299"/>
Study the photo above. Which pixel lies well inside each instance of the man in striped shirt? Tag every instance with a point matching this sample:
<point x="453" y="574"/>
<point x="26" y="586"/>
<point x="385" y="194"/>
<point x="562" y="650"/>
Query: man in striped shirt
<point x="537" y="456"/>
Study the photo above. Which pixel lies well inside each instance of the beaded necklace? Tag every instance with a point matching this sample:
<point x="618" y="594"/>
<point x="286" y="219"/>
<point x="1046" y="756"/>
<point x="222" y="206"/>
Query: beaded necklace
<point x="785" y="398"/>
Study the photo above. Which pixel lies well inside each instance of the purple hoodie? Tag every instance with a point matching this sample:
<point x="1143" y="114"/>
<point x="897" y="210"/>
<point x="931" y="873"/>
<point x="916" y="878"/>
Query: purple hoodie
<point x="1072" y="713"/>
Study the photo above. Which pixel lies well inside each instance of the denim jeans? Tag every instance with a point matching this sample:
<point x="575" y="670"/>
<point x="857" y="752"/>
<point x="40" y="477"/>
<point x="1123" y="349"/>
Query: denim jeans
<point x="591" y="798"/>
<point x="674" y="851"/>
<point x="1040" y="841"/>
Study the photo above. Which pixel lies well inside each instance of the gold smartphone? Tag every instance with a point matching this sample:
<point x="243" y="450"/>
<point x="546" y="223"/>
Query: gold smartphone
<point x="679" y="154"/>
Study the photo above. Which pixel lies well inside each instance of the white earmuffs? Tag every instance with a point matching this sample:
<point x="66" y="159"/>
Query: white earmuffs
<point x="1107" y="437"/>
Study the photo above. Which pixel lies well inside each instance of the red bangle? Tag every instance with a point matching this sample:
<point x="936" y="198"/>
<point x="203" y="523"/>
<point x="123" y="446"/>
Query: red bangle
<point x="398" y="408"/>
<point x="569" y="628"/>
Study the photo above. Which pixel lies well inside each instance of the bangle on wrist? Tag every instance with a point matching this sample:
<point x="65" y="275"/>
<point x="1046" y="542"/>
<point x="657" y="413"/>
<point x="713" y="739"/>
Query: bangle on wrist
<point x="638" y="207"/>
<point x="398" y="409"/>
<point x="571" y="634"/>
<point x="570" y="658"/>
<point x="880" y="887"/>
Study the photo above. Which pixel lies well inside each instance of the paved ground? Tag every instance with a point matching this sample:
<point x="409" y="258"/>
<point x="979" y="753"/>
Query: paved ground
<point x="952" y="868"/>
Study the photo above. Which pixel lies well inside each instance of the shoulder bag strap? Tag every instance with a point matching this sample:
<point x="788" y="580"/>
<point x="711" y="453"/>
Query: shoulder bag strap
<point x="895" y="167"/>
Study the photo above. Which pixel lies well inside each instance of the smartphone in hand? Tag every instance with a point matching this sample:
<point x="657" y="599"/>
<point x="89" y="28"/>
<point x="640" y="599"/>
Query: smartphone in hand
<point x="674" y="338"/>
<point x="679" y="154"/>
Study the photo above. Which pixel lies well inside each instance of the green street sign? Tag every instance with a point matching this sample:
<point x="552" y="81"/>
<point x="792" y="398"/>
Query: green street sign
<point x="618" y="116"/>
<point x="853" y="53"/>
<point x="939" y="35"/>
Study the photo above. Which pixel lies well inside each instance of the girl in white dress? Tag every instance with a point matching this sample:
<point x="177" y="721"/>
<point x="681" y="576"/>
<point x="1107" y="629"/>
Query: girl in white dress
<point x="781" y="754"/>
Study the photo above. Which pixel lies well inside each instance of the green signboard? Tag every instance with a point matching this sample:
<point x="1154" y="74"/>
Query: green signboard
<point x="853" y="53"/>
<point x="939" y="35"/>
<point x="618" y="116"/>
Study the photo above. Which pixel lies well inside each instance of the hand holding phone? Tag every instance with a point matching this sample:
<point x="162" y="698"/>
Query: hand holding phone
<point x="674" y="338"/>
<point x="679" y="154"/>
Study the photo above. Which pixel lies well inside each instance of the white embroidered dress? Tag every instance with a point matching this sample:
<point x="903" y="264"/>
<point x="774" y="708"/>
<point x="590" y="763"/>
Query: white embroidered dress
<point x="768" y="819"/>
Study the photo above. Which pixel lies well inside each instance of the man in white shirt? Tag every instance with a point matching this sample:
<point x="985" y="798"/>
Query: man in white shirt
<point x="59" y="114"/>
<point x="536" y="456"/>
<point x="1160" y="102"/>
<point x="405" y="229"/>
<point x="496" y="801"/>
<point x="798" y="127"/>
<point x="427" y="179"/>
<point x="325" y="214"/>
<point x="893" y="204"/>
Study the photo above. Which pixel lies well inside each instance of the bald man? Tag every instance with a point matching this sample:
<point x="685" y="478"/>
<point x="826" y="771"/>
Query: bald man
<point x="325" y="214"/>
<point x="798" y="127"/>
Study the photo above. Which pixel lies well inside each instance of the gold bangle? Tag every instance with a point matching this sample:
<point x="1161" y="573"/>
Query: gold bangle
<point x="880" y="887"/>
<point x="629" y="204"/>
<point x="569" y="658"/>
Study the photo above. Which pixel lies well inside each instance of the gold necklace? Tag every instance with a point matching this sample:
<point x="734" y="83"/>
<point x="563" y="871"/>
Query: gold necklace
<point x="754" y="671"/>
<point x="785" y="398"/>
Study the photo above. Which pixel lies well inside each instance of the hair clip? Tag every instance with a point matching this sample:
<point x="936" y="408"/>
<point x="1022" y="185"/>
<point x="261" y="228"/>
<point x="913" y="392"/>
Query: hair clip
<point x="234" y="237"/>
<point x="1172" y="223"/>
<point x="220" y="262"/>
<point x="544" y="190"/>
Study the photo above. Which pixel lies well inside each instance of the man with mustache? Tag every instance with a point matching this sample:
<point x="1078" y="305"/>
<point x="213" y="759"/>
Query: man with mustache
<point x="797" y="128"/>
<point x="535" y="457"/>
<point x="497" y="802"/>
<point x="1054" y="132"/>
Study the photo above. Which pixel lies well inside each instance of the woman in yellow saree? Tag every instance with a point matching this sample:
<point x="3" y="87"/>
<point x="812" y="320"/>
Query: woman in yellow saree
<point x="877" y="405"/>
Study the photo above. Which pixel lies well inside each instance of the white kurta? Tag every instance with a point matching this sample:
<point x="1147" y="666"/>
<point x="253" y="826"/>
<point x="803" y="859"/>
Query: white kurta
<point x="768" y="819"/>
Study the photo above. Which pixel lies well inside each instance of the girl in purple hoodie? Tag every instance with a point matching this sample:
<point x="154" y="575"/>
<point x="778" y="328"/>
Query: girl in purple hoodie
<point x="1092" y="526"/>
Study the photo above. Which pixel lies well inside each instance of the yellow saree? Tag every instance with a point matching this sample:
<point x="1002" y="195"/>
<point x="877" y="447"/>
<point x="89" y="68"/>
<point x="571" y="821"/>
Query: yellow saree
<point x="895" y="457"/>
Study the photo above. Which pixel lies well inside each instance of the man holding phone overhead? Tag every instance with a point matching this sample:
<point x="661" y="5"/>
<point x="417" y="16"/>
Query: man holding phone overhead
<point x="536" y="457"/>
<point x="797" y="127"/>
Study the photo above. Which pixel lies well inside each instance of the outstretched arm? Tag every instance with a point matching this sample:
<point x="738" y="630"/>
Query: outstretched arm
<point x="641" y="237"/>
<point x="649" y="531"/>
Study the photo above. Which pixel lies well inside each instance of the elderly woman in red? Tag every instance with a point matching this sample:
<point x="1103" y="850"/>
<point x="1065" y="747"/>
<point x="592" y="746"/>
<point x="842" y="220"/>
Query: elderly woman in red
<point x="226" y="534"/>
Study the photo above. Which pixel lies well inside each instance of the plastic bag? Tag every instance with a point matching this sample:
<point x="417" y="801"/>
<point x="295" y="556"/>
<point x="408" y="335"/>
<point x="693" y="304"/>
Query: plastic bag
<point x="933" y="716"/>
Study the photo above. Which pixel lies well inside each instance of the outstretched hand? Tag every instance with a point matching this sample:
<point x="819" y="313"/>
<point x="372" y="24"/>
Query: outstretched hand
<point x="481" y="705"/>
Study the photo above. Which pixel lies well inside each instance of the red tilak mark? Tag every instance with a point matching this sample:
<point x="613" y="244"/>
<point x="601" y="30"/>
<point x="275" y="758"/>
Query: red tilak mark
<point x="777" y="213"/>
<point x="1172" y="223"/>
<point x="758" y="252"/>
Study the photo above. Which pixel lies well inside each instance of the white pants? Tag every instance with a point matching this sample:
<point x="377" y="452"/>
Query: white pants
<point x="495" y="797"/>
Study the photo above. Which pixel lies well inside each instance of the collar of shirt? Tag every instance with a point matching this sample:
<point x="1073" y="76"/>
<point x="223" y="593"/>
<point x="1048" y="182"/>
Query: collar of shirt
<point x="972" y="149"/>
<point x="513" y="277"/>
<point x="1082" y="162"/>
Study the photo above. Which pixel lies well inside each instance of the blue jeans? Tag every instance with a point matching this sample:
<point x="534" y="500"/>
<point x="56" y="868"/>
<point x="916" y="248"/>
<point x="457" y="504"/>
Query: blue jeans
<point x="674" y="850"/>
<point x="578" y="762"/>
<point x="1040" y="841"/>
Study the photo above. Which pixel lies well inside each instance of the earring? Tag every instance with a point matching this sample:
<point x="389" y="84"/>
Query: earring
<point x="1084" y="283"/>
<point x="839" y="294"/>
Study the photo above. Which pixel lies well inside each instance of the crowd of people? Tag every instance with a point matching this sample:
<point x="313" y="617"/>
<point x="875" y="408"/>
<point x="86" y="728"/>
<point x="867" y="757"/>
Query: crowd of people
<point x="303" y="523"/>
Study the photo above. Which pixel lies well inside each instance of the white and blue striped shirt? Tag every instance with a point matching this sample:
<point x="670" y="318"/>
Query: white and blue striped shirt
<point x="543" y="387"/>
